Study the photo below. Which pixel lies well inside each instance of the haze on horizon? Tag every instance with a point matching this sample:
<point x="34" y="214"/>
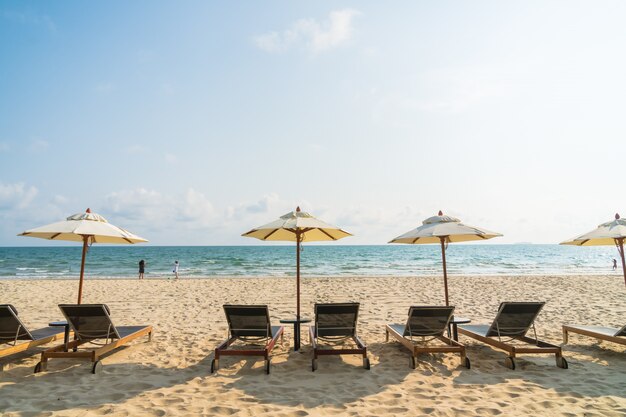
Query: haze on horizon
<point x="190" y="123"/>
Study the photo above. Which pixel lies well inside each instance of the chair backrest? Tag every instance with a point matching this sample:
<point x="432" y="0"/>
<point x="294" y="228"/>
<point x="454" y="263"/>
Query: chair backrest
<point x="248" y="321"/>
<point x="336" y="320"/>
<point x="90" y="321"/>
<point x="11" y="327"/>
<point x="621" y="332"/>
<point x="514" y="319"/>
<point x="428" y="320"/>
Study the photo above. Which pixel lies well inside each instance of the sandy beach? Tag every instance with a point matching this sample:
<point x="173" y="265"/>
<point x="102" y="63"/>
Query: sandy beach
<point x="170" y="375"/>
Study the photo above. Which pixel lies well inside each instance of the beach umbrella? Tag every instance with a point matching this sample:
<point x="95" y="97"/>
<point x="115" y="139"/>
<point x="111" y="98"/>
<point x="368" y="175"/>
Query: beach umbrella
<point x="297" y="226"/>
<point x="443" y="230"/>
<point x="87" y="228"/>
<point x="609" y="233"/>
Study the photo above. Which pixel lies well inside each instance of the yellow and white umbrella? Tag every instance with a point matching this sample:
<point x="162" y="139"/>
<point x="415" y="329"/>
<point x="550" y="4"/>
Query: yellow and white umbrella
<point x="87" y="228"/>
<point x="297" y="226"/>
<point x="443" y="230"/>
<point x="607" y="234"/>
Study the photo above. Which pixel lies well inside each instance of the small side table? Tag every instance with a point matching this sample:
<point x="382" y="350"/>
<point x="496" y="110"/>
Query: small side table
<point x="453" y="323"/>
<point x="296" y="330"/>
<point x="66" y="336"/>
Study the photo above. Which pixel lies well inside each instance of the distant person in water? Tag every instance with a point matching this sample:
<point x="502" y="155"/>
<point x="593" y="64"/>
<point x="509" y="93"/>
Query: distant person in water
<point x="614" y="264"/>
<point x="142" y="268"/>
<point x="175" y="270"/>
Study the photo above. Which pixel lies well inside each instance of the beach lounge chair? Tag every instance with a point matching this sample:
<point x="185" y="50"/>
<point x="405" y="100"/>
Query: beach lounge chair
<point x="250" y="325"/>
<point x="424" y="325"/>
<point x="12" y="331"/>
<point x="91" y="323"/>
<point x="513" y="321"/>
<point x="609" y="334"/>
<point x="335" y="324"/>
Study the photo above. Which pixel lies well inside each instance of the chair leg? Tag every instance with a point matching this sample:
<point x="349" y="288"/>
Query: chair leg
<point x="560" y="361"/>
<point x="565" y="336"/>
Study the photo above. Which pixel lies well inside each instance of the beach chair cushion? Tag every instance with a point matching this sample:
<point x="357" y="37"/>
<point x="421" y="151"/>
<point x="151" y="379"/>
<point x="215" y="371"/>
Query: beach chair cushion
<point x="427" y="321"/>
<point x="11" y="327"/>
<point x="249" y="321"/>
<point x="605" y="331"/>
<point x="514" y="319"/>
<point x="478" y="329"/>
<point x="336" y="320"/>
<point x="90" y="321"/>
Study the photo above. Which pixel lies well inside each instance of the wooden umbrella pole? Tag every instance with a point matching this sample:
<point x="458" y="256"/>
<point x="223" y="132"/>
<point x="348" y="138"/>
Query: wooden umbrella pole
<point x="82" y="268"/>
<point x="445" y="271"/>
<point x="620" y="248"/>
<point x="298" y="277"/>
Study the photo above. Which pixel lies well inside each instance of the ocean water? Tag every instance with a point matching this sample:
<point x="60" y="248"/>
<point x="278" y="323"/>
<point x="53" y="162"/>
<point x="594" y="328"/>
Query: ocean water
<point x="321" y="260"/>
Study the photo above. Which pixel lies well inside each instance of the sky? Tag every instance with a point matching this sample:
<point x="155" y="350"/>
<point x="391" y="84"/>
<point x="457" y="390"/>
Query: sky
<point x="189" y="123"/>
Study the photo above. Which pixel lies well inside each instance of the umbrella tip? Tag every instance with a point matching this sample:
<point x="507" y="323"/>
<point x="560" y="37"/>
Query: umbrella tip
<point x="440" y="213"/>
<point x="88" y="210"/>
<point x="298" y="209"/>
<point x="616" y="216"/>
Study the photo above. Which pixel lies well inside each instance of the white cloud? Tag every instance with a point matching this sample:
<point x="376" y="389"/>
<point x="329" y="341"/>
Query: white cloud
<point x="16" y="196"/>
<point x="268" y="203"/>
<point x="59" y="200"/>
<point x="153" y="210"/>
<point x="313" y="35"/>
<point x="196" y="208"/>
<point x="38" y="146"/>
<point x="448" y="90"/>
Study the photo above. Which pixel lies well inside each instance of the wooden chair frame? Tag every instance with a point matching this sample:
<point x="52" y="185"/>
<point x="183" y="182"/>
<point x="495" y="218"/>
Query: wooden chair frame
<point x="71" y="350"/>
<point x="516" y="332"/>
<point x="26" y="344"/>
<point x="361" y="348"/>
<point x="451" y="346"/>
<point x="115" y="336"/>
<point x="223" y="350"/>
<point x="270" y="341"/>
<point x="531" y="346"/>
<point x="588" y="332"/>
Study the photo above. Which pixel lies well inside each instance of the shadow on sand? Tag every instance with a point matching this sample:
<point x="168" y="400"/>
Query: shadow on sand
<point x="69" y="385"/>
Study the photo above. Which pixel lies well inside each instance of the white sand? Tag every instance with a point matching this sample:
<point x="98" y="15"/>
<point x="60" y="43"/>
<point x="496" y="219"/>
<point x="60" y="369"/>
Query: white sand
<point x="170" y="375"/>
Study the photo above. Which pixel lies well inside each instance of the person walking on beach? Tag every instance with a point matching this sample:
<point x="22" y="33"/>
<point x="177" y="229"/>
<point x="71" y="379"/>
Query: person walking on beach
<point x="142" y="267"/>
<point x="175" y="271"/>
<point x="614" y="264"/>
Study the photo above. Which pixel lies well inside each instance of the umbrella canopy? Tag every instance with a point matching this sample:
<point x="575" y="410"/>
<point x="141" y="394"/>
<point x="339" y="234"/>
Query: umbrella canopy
<point x="297" y="226"/>
<point x="88" y="228"/>
<point x="444" y="229"/>
<point x="609" y="233"/>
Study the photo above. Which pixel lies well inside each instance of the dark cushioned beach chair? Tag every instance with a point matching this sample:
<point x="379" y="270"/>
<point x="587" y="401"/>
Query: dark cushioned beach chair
<point x="513" y="321"/>
<point x="12" y="331"/>
<point x="424" y="325"/>
<point x="609" y="334"/>
<point x="335" y="324"/>
<point x="91" y="323"/>
<point x="250" y="325"/>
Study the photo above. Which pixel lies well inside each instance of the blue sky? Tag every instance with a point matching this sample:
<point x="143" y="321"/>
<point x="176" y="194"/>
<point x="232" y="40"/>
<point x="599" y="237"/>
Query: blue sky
<point x="192" y="122"/>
